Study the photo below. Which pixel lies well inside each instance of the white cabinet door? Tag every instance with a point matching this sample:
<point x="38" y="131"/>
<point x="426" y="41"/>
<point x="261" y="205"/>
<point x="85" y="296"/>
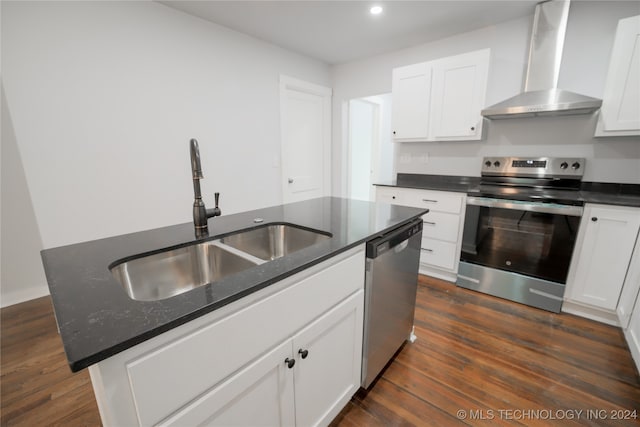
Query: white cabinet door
<point x="603" y="254"/>
<point x="630" y="289"/>
<point x="328" y="362"/>
<point x="261" y="394"/>
<point x="620" y="112"/>
<point x="459" y="86"/>
<point x="632" y="333"/>
<point x="411" y="92"/>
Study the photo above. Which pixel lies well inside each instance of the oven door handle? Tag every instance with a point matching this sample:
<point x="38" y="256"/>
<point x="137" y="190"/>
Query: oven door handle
<point x="550" y="208"/>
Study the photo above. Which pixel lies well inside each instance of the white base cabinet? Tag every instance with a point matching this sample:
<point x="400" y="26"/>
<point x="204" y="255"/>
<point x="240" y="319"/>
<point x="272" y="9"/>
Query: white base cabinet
<point x="442" y="226"/>
<point x="601" y="260"/>
<point x="629" y="306"/>
<point x="632" y="333"/>
<point x="289" y="354"/>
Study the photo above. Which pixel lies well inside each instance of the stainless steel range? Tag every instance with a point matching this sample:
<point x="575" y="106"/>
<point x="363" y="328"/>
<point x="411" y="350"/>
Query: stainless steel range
<point x="520" y="229"/>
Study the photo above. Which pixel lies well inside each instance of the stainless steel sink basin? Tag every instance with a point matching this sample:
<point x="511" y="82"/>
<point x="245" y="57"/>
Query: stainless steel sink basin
<point x="274" y="240"/>
<point x="173" y="272"/>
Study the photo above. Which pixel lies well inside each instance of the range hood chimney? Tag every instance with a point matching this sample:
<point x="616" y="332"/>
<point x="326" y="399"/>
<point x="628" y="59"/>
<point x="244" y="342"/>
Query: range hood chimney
<point x="541" y="96"/>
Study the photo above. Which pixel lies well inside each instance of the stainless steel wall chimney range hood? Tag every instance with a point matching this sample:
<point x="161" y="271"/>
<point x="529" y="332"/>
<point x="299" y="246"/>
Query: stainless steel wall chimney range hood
<point x="541" y="96"/>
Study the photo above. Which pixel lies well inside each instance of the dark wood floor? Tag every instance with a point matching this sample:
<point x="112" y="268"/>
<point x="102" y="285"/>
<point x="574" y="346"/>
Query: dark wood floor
<point x="478" y="357"/>
<point x="37" y="388"/>
<point x="495" y="361"/>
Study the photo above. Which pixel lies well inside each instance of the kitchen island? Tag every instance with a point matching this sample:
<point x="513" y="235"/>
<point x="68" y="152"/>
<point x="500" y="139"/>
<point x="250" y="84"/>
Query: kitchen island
<point x="169" y="361"/>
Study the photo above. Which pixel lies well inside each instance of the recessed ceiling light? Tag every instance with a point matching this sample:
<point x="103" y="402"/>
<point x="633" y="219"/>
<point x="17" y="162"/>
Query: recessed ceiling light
<point x="376" y="10"/>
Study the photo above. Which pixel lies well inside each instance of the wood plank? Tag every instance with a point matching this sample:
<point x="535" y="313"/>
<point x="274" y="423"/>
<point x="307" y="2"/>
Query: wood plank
<point x="36" y="384"/>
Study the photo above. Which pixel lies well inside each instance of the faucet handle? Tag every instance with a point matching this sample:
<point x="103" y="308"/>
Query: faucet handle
<point x="216" y="209"/>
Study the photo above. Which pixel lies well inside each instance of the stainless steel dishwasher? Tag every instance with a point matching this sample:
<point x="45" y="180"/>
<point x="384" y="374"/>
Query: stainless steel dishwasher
<point x="391" y="281"/>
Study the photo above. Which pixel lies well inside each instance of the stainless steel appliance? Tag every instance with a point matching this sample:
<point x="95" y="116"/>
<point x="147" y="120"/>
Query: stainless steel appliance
<point x="520" y="229"/>
<point x="541" y="96"/>
<point x="391" y="281"/>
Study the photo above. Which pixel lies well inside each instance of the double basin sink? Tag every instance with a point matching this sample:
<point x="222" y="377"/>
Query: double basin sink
<point x="177" y="270"/>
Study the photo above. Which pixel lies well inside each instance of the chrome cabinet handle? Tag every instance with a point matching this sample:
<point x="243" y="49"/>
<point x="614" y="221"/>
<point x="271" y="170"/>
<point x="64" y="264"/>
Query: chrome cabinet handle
<point x="429" y="200"/>
<point x="429" y="222"/>
<point x="428" y="250"/>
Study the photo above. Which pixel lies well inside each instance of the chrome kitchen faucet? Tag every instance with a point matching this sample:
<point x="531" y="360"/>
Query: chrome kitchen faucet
<point x="200" y="213"/>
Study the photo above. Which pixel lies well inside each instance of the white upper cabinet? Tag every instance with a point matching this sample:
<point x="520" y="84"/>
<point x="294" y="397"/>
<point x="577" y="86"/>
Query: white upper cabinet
<point x="459" y="87"/>
<point x="411" y="87"/>
<point x="440" y="100"/>
<point x="620" y="112"/>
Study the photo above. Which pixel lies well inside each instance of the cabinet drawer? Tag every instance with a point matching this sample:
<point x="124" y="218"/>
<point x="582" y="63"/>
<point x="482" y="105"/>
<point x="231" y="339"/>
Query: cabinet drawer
<point x="229" y="343"/>
<point x="441" y="226"/>
<point x="389" y="195"/>
<point x="436" y="201"/>
<point x="439" y="254"/>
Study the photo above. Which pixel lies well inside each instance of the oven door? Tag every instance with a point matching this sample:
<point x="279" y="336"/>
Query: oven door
<point x="522" y="249"/>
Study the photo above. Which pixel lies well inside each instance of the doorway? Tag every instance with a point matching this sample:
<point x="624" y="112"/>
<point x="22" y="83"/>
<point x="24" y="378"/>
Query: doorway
<point x="370" y="148"/>
<point x="305" y="125"/>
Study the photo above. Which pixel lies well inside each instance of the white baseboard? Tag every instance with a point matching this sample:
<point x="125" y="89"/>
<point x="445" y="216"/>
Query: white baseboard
<point x="22" y="295"/>
<point x="593" y="313"/>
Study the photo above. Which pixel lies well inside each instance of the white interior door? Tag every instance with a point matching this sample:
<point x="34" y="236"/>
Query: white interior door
<point x="305" y="113"/>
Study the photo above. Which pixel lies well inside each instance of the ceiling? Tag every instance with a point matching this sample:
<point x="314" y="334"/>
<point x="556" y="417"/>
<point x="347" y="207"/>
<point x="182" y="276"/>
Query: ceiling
<point x="335" y="31"/>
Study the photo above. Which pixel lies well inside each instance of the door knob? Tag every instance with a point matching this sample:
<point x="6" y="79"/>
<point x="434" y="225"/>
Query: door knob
<point x="290" y="180"/>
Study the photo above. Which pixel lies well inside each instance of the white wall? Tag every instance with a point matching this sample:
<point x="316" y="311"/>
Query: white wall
<point x="22" y="275"/>
<point x="590" y="33"/>
<point x="104" y="97"/>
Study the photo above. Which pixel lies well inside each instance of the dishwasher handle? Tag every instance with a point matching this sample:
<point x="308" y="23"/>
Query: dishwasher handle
<point x="396" y="239"/>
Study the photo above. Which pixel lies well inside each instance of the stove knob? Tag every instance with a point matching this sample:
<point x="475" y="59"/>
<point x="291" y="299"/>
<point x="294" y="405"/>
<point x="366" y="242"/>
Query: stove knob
<point x="488" y="163"/>
<point x="575" y="166"/>
<point x="564" y="165"/>
<point x="496" y="164"/>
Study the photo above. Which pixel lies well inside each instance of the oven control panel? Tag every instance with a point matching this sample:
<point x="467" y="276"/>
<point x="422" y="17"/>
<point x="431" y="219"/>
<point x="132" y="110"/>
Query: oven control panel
<point x="536" y="167"/>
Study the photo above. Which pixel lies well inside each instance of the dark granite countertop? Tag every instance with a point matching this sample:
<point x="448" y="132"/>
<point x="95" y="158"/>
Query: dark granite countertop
<point x="97" y="319"/>
<point x="590" y="192"/>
